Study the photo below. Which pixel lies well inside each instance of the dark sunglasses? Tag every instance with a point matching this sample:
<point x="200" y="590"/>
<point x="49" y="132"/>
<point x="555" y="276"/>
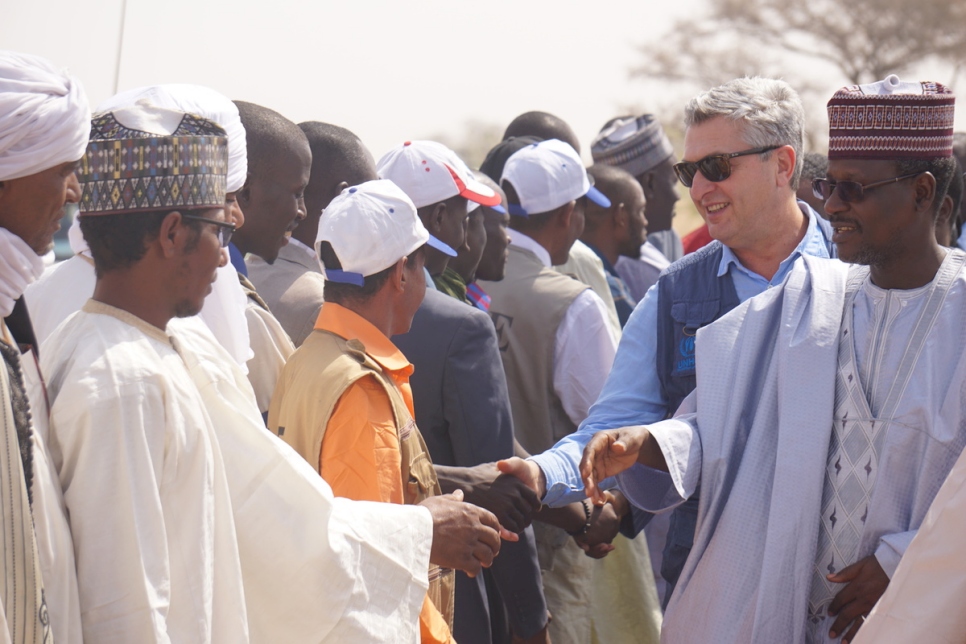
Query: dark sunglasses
<point x="851" y="191"/>
<point x="715" y="167"/>
<point x="225" y="229"/>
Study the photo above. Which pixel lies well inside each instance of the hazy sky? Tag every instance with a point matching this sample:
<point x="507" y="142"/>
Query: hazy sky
<point x="389" y="70"/>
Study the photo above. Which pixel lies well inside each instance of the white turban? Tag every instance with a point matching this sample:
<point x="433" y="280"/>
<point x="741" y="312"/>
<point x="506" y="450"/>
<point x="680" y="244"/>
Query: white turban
<point x="44" y="116"/>
<point x="203" y="102"/>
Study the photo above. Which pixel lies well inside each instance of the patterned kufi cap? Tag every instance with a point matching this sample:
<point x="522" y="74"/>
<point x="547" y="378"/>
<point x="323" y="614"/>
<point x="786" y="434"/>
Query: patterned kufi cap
<point x="203" y="101"/>
<point x="890" y="119"/>
<point x="144" y="158"/>
<point x="634" y="144"/>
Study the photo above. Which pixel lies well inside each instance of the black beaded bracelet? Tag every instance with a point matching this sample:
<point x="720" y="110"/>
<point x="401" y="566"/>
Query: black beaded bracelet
<point x="583" y="530"/>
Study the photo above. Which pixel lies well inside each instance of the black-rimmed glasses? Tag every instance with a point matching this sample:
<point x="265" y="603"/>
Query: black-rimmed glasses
<point x="225" y="228"/>
<point x="714" y="167"/>
<point x="851" y="191"/>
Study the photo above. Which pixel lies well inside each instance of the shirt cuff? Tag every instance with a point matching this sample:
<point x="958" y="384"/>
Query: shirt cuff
<point x="564" y="484"/>
<point x="891" y="548"/>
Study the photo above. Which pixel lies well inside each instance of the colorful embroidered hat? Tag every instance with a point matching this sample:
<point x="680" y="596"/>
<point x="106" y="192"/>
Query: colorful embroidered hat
<point x="633" y="144"/>
<point x="144" y="158"/>
<point x="891" y="119"/>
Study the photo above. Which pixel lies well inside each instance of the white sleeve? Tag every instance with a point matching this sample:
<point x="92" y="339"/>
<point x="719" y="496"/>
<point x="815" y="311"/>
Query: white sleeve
<point x="583" y="355"/>
<point x="316" y="568"/>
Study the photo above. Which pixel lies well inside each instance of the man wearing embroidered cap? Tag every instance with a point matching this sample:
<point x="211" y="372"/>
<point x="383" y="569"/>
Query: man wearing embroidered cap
<point x="828" y="410"/>
<point x="343" y="400"/>
<point x="440" y="184"/>
<point x="44" y="125"/>
<point x="65" y="287"/>
<point x="125" y="424"/>
<point x="639" y="145"/>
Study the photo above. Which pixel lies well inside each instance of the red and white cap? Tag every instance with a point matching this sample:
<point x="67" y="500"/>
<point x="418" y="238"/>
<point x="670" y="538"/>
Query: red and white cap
<point x="371" y="227"/>
<point x="430" y="172"/>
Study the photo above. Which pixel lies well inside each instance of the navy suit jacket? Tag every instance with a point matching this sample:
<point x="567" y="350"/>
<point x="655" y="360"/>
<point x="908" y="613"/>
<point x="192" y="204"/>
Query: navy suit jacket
<point x="463" y="412"/>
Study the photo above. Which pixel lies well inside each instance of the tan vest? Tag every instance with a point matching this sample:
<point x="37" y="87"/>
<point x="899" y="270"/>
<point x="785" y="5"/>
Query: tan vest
<point x="527" y="308"/>
<point x="315" y="378"/>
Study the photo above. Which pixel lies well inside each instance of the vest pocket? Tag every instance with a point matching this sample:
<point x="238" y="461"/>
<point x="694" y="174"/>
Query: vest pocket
<point x="422" y="479"/>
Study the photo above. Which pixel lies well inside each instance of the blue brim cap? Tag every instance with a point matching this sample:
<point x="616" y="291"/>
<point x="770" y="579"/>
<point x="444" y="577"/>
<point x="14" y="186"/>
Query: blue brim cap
<point x="498" y="208"/>
<point x="344" y="277"/>
<point x="598" y="197"/>
<point x="441" y="247"/>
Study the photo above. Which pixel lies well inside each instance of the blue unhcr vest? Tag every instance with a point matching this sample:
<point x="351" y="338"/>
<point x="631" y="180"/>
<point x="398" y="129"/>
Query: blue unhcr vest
<point x="691" y="295"/>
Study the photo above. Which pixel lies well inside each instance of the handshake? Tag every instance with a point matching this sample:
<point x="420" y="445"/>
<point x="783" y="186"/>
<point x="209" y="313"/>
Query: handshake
<point x="502" y="499"/>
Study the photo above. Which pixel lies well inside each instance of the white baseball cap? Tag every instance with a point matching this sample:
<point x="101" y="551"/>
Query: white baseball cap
<point x="430" y="172"/>
<point x="371" y="227"/>
<point x="547" y="175"/>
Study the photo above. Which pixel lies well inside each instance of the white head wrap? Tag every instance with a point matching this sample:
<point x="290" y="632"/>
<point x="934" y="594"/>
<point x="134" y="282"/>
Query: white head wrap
<point x="44" y="116"/>
<point x="203" y="102"/>
<point x="20" y="266"/>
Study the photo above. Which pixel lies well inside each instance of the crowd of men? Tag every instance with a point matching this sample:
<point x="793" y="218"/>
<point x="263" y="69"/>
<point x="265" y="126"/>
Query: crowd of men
<point x="285" y="391"/>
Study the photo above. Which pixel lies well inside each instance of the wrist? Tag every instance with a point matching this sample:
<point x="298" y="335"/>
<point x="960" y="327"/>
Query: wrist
<point x="540" y="479"/>
<point x="619" y="502"/>
<point x="582" y="530"/>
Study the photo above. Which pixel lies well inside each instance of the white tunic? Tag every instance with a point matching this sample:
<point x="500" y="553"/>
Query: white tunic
<point x="144" y="484"/>
<point x="316" y="568"/>
<point x="759" y="445"/>
<point x="924" y="600"/>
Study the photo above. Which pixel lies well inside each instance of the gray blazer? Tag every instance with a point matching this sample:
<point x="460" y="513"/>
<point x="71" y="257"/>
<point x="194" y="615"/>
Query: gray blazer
<point x="292" y="287"/>
<point x="463" y="411"/>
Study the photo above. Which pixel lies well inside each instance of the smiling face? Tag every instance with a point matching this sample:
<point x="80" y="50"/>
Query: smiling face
<point x="31" y="207"/>
<point x="739" y="209"/>
<point x="273" y="201"/>
<point x="879" y="229"/>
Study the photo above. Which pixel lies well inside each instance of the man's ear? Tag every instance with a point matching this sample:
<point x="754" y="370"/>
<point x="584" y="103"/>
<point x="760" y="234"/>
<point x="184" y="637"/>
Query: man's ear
<point x="439" y="213"/>
<point x="337" y="189"/>
<point x="925" y="190"/>
<point x="945" y="213"/>
<point x="398" y="275"/>
<point x="174" y="234"/>
<point x="786" y="158"/>
<point x="244" y="195"/>
<point x="564" y="214"/>
<point x="619" y="216"/>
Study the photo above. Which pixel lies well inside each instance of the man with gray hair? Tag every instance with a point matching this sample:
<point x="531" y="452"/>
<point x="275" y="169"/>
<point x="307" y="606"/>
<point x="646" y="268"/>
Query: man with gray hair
<point x="742" y="161"/>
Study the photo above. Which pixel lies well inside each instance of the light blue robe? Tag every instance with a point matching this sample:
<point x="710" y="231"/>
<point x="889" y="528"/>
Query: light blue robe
<point x="766" y="390"/>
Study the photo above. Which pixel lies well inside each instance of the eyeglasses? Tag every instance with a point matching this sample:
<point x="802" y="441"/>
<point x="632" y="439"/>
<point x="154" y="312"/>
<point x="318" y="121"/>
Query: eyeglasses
<point x="851" y="191"/>
<point x="225" y="229"/>
<point x="715" y="167"/>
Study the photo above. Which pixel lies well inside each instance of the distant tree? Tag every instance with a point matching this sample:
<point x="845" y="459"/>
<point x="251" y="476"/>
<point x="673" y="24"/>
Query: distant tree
<point x="865" y="39"/>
